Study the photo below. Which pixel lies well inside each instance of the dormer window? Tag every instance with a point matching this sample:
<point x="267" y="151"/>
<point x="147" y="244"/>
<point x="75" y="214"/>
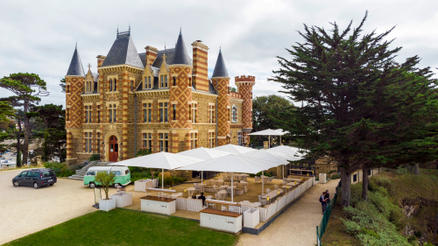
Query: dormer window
<point x="163" y="81"/>
<point x="148" y="82"/>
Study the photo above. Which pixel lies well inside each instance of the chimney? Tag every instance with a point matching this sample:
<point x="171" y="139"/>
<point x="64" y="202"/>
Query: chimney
<point x="151" y="54"/>
<point x="200" y="65"/>
<point x="100" y="60"/>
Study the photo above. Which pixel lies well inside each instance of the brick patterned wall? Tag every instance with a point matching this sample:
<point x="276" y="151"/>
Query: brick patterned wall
<point x="182" y="94"/>
<point x="200" y="65"/>
<point x="245" y="85"/>
<point x="223" y="107"/>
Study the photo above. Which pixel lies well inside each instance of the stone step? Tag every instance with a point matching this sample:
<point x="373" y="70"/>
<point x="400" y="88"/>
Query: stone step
<point x="76" y="177"/>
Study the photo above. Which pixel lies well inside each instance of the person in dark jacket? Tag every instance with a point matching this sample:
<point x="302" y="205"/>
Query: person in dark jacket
<point x="202" y="197"/>
<point x="323" y="201"/>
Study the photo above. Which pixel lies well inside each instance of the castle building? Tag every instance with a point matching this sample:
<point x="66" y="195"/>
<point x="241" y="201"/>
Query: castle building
<point x="161" y="100"/>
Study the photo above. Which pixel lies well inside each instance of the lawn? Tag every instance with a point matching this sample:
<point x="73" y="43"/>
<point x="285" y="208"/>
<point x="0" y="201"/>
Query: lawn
<point x="127" y="227"/>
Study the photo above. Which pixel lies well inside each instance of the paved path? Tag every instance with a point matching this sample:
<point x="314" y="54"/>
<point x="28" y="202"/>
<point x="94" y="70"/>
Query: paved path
<point x="296" y="226"/>
<point x="24" y="210"/>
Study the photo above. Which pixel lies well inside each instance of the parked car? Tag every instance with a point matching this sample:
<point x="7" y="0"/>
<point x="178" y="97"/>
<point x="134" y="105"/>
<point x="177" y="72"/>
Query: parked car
<point x="35" y="177"/>
<point x="122" y="175"/>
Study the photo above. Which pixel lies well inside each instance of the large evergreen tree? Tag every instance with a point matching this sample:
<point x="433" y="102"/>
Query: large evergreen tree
<point x="27" y="89"/>
<point x="329" y="73"/>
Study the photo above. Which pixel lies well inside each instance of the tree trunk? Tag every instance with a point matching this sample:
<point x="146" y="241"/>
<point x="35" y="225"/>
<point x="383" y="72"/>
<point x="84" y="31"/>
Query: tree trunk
<point x="365" y="183"/>
<point x="19" y="161"/>
<point x="345" y="187"/>
<point x="26" y="132"/>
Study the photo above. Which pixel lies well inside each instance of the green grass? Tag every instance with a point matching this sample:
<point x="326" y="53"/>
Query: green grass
<point x="127" y="227"/>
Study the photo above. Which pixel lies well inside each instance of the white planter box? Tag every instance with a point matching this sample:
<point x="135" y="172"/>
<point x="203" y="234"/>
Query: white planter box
<point x="123" y="199"/>
<point x="166" y="206"/>
<point x="221" y="222"/>
<point x="251" y="218"/>
<point x="322" y="178"/>
<point x="107" y="205"/>
<point x="142" y="184"/>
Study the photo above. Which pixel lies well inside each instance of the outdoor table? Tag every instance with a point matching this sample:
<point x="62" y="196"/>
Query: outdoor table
<point x="123" y="199"/>
<point x="160" y="205"/>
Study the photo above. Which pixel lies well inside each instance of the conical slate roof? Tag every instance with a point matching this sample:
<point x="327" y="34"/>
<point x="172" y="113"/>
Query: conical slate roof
<point x="123" y="52"/>
<point x="180" y="56"/>
<point x="76" y="67"/>
<point x="219" y="69"/>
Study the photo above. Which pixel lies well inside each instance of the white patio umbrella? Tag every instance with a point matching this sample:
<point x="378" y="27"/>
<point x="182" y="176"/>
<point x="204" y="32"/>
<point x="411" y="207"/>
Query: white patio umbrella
<point x="234" y="149"/>
<point x="203" y="154"/>
<point x="163" y="160"/>
<point x="229" y="164"/>
<point x="267" y="159"/>
<point x="269" y="133"/>
<point x="289" y="152"/>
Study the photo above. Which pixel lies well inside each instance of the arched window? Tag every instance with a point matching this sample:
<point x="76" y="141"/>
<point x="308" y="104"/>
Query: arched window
<point x="110" y="85"/>
<point x="234" y="114"/>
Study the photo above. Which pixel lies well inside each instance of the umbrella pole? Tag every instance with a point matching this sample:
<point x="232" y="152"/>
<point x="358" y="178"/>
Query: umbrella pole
<point x="202" y="180"/>
<point x="282" y="167"/>
<point x="263" y="182"/>
<point x="269" y="141"/>
<point x="232" y="187"/>
<point x="162" y="178"/>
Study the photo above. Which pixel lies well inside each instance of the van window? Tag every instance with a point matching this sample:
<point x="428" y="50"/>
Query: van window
<point x="46" y="174"/>
<point x="23" y="174"/>
<point x="116" y="173"/>
<point x="91" y="173"/>
<point x="126" y="171"/>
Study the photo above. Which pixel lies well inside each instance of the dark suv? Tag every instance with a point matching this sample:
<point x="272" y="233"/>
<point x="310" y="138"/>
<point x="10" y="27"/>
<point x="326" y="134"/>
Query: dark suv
<point x="35" y="178"/>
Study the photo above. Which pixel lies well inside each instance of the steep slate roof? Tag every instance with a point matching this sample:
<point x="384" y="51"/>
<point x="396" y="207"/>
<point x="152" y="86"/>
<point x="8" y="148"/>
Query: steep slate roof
<point x="122" y="52"/>
<point x="219" y="69"/>
<point x="180" y="56"/>
<point x="76" y="67"/>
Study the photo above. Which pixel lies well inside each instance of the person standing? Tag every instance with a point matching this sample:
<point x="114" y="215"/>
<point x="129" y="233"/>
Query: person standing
<point x="327" y="197"/>
<point x="323" y="201"/>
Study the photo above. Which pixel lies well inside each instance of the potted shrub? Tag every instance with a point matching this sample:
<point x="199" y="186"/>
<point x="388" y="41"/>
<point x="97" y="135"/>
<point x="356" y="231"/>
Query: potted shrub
<point x="106" y="179"/>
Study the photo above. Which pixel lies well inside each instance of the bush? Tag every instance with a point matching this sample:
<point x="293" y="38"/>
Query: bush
<point x="335" y="176"/>
<point x="60" y="169"/>
<point x="94" y="157"/>
<point x="171" y="180"/>
<point x="140" y="173"/>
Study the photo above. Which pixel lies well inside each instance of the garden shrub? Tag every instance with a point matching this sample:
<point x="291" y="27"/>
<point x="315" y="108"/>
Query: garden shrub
<point x="60" y="169"/>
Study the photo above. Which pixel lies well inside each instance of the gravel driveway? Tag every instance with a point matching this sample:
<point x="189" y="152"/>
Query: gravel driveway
<point x="24" y="210"/>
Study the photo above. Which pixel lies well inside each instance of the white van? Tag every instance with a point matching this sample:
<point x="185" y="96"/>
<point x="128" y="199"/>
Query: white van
<point x="122" y="175"/>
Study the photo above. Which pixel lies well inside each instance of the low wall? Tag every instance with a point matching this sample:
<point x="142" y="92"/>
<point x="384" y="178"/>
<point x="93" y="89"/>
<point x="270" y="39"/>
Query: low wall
<point x="270" y="210"/>
<point x="189" y="204"/>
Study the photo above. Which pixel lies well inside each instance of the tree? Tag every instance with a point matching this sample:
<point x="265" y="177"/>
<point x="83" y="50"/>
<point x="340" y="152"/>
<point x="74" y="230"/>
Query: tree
<point x="106" y="180"/>
<point x="327" y="73"/>
<point x="62" y="84"/>
<point x="50" y="126"/>
<point x="27" y="87"/>
<point x="6" y="123"/>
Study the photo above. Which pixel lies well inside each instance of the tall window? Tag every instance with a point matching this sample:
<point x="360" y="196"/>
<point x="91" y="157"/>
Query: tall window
<point x="173" y="111"/>
<point x="211" y="113"/>
<point x="163" y="81"/>
<point x="164" y="141"/>
<point x="211" y="139"/>
<point x="229" y="113"/>
<point x="239" y="138"/>
<point x="194" y="112"/>
<point x="194" y="140"/>
<point x="98" y="113"/>
<point x="174" y="81"/>
<point x="147" y="112"/>
<point x="112" y="112"/>
<point x="234" y="114"/>
<point x="113" y="85"/>
<point x="87" y="112"/>
<point x="148" y="82"/>
<point x="88" y="142"/>
<point x="98" y="142"/>
<point x="147" y="140"/>
<point x="163" y="108"/>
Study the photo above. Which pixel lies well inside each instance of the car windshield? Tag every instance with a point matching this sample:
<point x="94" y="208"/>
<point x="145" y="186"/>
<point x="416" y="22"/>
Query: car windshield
<point x="91" y="173"/>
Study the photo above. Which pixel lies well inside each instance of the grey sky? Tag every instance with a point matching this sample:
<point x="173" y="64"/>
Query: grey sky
<point x="39" y="36"/>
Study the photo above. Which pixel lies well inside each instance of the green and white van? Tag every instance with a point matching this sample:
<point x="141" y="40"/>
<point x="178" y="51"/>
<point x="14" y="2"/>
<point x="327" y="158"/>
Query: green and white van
<point x="122" y="175"/>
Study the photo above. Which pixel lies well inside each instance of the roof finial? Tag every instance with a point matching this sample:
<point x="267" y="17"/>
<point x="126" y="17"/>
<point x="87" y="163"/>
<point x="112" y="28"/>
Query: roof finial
<point x="129" y="28"/>
<point x="89" y="66"/>
<point x="76" y="45"/>
<point x="117" y="29"/>
<point x="180" y="30"/>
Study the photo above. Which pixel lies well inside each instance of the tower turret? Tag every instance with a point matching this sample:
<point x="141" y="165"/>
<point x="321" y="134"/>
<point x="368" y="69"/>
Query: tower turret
<point x="180" y="97"/>
<point x="244" y="86"/>
<point x="74" y="86"/>
<point x="221" y="82"/>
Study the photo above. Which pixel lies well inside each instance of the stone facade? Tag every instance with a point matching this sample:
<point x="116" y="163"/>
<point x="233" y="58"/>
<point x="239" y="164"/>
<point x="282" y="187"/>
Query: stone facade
<point x="160" y="100"/>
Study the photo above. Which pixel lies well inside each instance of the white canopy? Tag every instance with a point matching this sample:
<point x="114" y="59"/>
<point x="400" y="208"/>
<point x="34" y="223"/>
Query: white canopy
<point x="291" y="153"/>
<point x="269" y="132"/>
<point x="234" y="149"/>
<point x="227" y="163"/>
<point x="163" y="160"/>
<point x="268" y="159"/>
<point x="204" y="153"/>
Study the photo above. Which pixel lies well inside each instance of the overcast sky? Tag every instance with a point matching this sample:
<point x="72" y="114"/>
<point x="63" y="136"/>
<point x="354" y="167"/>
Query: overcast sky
<point x="39" y="36"/>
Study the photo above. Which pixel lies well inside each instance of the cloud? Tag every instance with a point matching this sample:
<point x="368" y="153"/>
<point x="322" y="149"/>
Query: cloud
<point x="39" y="36"/>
